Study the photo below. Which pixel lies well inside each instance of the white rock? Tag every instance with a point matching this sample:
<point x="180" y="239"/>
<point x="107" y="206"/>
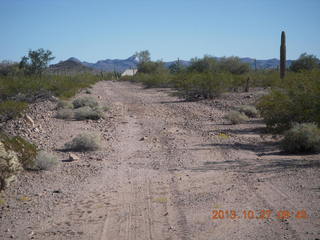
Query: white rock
<point x="73" y="157"/>
<point x="29" y="120"/>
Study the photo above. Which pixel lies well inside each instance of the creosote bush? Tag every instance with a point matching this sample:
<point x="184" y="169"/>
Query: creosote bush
<point x="302" y="138"/>
<point x="45" y="161"/>
<point x="84" y="142"/>
<point x="294" y="99"/>
<point x="85" y="101"/>
<point x="236" y="117"/>
<point x="248" y="110"/>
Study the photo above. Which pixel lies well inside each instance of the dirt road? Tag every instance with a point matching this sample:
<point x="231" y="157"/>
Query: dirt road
<point x="177" y="170"/>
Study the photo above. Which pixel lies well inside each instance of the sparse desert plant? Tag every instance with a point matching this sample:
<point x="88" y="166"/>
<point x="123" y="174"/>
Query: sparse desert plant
<point x="86" y="112"/>
<point x="63" y="104"/>
<point x="304" y="137"/>
<point x="88" y="91"/>
<point x="84" y="142"/>
<point x="45" y="161"/>
<point x="85" y="101"/>
<point x="248" y="110"/>
<point x="65" y="114"/>
<point x="236" y="117"/>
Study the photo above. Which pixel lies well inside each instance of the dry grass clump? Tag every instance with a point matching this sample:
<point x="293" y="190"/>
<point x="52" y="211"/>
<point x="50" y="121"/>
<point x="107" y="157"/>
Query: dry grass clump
<point x="302" y="138"/>
<point x="86" y="112"/>
<point x="84" y="142"/>
<point x="62" y="104"/>
<point x="236" y="117"/>
<point x="85" y="101"/>
<point x="82" y="108"/>
<point x="248" y="110"/>
<point x="45" y="161"/>
<point x="65" y="114"/>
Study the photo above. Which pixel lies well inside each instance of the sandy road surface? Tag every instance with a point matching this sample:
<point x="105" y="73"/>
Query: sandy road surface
<point x="173" y="163"/>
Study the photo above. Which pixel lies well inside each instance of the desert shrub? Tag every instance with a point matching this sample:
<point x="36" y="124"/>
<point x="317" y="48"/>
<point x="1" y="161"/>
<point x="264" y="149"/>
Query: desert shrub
<point x="65" y="114"/>
<point x="85" y="101"/>
<point x="153" y="79"/>
<point x="62" y="86"/>
<point x="84" y="142"/>
<point x="233" y="65"/>
<point x="25" y="151"/>
<point x="202" y="85"/>
<point x="88" y="91"/>
<point x="150" y="67"/>
<point x="248" y="110"/>
<point x="205" y="64"/>
<point x="301" y="138"/>
<point x="63" y="104"/>
<point x="86" y="112"/>
<point x="295" y="99"/>
<point x="11" y="109"/>
<point x="305" y="62"/>
<point x="236" y="117"/>
<point x="45" y="161"/>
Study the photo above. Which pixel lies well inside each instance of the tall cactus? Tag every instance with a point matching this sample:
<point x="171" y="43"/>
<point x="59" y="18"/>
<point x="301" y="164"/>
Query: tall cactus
<point x="283" y="55"/>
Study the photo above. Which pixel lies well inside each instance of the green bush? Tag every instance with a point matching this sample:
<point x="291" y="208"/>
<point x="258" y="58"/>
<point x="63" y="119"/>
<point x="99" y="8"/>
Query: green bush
<point x="302" y="138"/>
<point x="305" y="63"/>
<point x="11" y="109"/>
<point x="153" y="80"/>
<point x="248" y="110"/>
<point x="202" y="85"/>
<point x="45" y="161"/>
<point x="152" y="67"/>
<point x="236" y="117"/>
<point x="25" y="151"/>
<point x="85" y="101"/>
<point x="84" y="142"/>
<point x="295" y="99"/>
<point x="32" y="87"/>
<point x="87" y="112"/>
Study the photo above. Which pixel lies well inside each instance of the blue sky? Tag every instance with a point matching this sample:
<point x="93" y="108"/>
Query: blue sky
<point x="94" y="29"/>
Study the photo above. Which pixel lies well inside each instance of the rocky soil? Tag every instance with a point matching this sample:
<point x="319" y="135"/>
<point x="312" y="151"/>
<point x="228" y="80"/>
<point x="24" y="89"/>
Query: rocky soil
<point x="167" y="169"/>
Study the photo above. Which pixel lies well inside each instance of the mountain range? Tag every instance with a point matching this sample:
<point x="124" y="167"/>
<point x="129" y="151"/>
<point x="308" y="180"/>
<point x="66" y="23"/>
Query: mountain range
<point x="120" y="65"/>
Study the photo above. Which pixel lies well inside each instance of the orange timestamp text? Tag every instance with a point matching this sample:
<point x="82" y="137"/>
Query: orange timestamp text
<point x="258" y="214"/>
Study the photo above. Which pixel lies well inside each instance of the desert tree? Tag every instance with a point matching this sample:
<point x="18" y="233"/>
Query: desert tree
<point x="36" y="61"/>
<point x="305" y="62"/>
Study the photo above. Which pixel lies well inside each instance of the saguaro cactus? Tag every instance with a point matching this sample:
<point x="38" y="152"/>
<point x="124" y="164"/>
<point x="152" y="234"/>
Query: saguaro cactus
<point x="283" y="55"/>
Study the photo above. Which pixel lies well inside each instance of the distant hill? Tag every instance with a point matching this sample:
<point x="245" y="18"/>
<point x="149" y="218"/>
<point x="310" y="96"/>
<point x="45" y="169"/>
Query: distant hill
<point x="120" y="65"/>
<point x="109" y="65"/>
<point x="71" y="65"/>
<point x="264" y="64"/>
